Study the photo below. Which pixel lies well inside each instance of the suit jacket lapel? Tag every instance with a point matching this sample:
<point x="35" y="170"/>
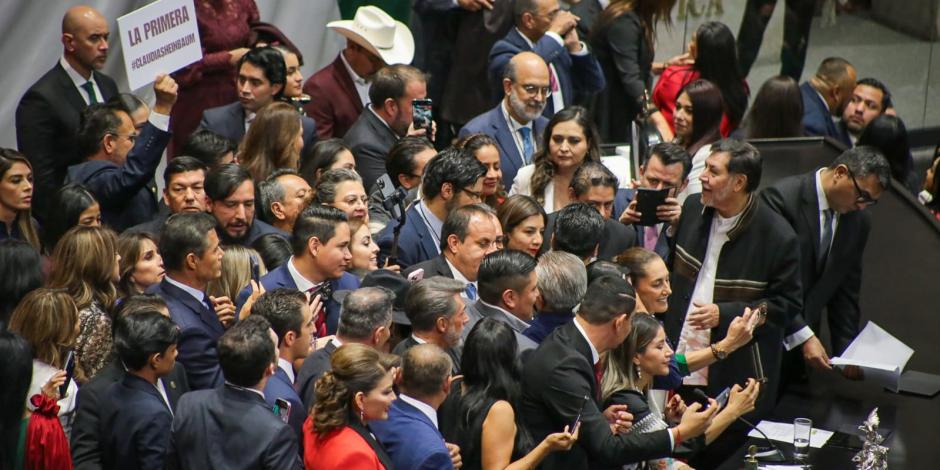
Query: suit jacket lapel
<point x="173" y="387"/>
<point x="421" y="229"/>
<point x="810" y="212"/>
<point x="68" y="89"/>
<point x="346" y="83"/>
<point x="207" y="317"/>
<point x="507" y="144"/>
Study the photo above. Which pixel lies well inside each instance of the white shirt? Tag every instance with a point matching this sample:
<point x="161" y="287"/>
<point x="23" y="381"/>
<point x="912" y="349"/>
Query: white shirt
<point x="249" y="118"/>
<point x="42" y="372"/>
<point x="514" y="127"/>
<point x="595" y="356"/>
<point x="691" y="339"/>
<point x="423" y="407"/>
<point x="287" y="367"/>
<point x="162" y="390"/>
<point x="362" y="85"/>
<point x="458" y="276"/>
<point x="196" y="293"/>
<point x="79" y="80"/>
<point x="302" y="283"/>
<point x="433" y="224"/>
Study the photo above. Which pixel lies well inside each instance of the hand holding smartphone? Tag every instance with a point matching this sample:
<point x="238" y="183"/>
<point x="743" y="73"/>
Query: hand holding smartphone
<point x="647" y="200"/>
<point x="69" y="371"/>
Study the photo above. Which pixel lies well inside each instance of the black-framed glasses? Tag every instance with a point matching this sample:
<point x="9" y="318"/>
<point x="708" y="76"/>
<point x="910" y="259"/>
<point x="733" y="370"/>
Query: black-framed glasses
<point x="476" y="195"/>
<point x="546" y="91"/>
<point x="864" y="197"/>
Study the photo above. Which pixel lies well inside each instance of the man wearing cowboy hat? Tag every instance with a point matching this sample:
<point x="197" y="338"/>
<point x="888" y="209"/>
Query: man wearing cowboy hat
<point x="340" y="91"/>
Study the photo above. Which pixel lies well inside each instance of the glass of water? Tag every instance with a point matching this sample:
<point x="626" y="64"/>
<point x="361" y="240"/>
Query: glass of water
<point x="802" y="427"/>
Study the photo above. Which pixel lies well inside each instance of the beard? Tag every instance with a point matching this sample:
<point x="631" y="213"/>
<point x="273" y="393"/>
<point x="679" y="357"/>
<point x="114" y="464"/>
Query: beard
<point x="525" y="110"/>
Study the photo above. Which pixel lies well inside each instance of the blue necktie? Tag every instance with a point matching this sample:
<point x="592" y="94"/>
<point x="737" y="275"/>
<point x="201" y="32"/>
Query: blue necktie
<point x="527" y="148"/>
<point x="471" y="291"/>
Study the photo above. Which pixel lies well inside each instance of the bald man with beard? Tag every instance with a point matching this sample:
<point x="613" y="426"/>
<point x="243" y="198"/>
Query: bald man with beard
<point x="47" y="116"/>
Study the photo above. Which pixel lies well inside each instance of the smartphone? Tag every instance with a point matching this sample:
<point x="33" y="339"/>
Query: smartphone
<point x="416" y="275"/>
<point x="647" y="200"/>
<point x="255" y="270"/>
<point x="421" y="114"/>
<point x="282" y="409"/>
<point x="577" y="419"/>
<point x="722" y="397"/>
<point x="69" y="370"/>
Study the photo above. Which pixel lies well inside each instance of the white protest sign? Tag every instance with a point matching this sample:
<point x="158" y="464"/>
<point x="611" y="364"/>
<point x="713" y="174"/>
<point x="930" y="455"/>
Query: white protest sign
<point x="161" y="37"/>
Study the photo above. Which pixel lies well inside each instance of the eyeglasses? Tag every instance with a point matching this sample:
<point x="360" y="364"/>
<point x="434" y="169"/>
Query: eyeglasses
<point x="545" y="91"/>
<point x="474" y="194"/>
<point x="130" y="137"/>
<point x="864" y="197"/>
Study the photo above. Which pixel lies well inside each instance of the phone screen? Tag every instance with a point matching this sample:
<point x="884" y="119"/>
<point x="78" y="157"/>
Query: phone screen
<point x="577" y="419"/>
<point x="722" y="397"/>
<point x="69" y="370"/>
<point x="421" y="113"/>
<point x="282" y="409"/>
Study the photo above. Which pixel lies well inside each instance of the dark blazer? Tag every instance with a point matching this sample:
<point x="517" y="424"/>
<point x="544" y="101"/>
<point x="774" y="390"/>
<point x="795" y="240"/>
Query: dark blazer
<point x="545" y="323"/>
<point x="493" y="124"/>
<point x="86" y="454"/>
<point x="554" y="381"/>
<point x="123" y="191"/>
<point x="47" y="119"/>
<point x="835" y="287"/>
<point x="280" y="386"/>
<point x="281" y="277"/>
<point x="575" y="73"/>
<point x="759" y="263"/>
<point x="627" y="59"/>
<point x="415" y="243"/>
<point x="615" y="237"/>
<point x="229" y="121"/>
<point x="334" y="101"/>
<point x="370" y="139"/>
<point x="817" y="119"/>
<point x="477" y="311"/>
<point x="315" y="365"/>
<point x="410" y="342"/>
<point x="587" y="11"/>
<point x="411" y="439"/>
<point x="230" y="428"/>
<point x="436" y="266"/>
<point x="153" y="226"/>
<point x="200" y="331"/>
<point x="135" y="425"/>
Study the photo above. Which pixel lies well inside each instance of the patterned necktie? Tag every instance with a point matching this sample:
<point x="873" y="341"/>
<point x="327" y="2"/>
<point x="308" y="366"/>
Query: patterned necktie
<point x="89" y="88"/>
<point x="527" y="147"/>
<point x="471" y="291"/>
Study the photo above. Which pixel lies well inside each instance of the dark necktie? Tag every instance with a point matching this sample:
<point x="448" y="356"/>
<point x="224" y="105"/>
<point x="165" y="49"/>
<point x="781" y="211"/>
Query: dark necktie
<point x="89" y="88"/>
<point x="826" y="240"/>
<point x="598" y="376"/>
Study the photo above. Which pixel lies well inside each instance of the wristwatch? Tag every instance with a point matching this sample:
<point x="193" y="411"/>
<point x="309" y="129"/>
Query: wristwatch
<point x="718" y="352"/>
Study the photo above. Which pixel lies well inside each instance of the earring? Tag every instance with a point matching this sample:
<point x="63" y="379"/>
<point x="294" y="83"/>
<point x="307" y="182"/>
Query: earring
<point x="362" y="416"/>
<point x="639" y="375"/>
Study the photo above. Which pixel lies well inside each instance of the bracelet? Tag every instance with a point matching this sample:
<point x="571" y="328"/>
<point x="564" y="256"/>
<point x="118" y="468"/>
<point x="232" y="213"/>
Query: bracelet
<point x="718" y="352"/>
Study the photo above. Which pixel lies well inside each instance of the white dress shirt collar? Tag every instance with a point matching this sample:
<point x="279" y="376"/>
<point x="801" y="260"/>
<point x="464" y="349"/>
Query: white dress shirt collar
<point x="595" y="356"/>
<point x="423" y="407"/>
<point x="362" y="85"/>
<point x="303" y="284"/>
<point x="287" y="367"/>
<point x="196" y="293"/>
<point x="820" y="193"/>
<point x="458" y="276"/>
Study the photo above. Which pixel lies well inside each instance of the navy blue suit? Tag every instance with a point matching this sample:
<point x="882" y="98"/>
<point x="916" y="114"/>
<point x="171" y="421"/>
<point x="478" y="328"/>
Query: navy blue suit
<point x="415" y="243"/>
<point x="411" y="439"/>
<point x="200" y="331"/>
<point x="576" y="74"/>
<point x="135" y="425"/>
<point x="122" y="191"/>
<point x="493" y="124"/>
<point x="280" y="386"/>
<point x="281" y="277"/>
<point x="817" y="120"/>
<point x="229" y="121"/>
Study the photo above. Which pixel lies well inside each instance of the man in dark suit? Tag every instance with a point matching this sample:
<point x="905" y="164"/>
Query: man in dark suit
<point x="561" y="383"/>
<point x="86" y="454"/>
<point x="183" y="191"/>
<point x="516" y="123"/>
<point x="578" y="229"/>
<point x="438" y="314"/>
<point x="452" y="179"/>
<point x="469" y="233"/>
<point x="587" y="12"/>
<point x="732" y="252"/>
<point x="826" y="210"/>
<point x="192" y="258"/>
<point x="320" y="243"/>
<point x="410" y="435"/>
<point x="825" y="96"/>
<point x="562" y="281"/>
<point x="388" y="118"/>
<point x="572" y="68"/>
<point x="292" y="320"/>
<point x="366" y="318"/>
<point x="261" y="78"/>
<point x="281" y="197"/>
<point x="136" y="414"/>
<point x="231" y="426"/>
<point x="508" y="293"/>
<point x="231" y="200"/>
<point x="405" y="167"/>
<point x="120" y="162"/>
<point x="667" y="167"/>
<point x="47" y="117"/>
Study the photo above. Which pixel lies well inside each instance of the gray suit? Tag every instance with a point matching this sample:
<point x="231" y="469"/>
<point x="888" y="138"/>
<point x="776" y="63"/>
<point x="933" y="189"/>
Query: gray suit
<point x="479" y="310"/>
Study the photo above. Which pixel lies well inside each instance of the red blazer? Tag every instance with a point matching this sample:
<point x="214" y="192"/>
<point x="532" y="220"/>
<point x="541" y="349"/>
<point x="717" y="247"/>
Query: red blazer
<point x="334" y="102"/>
<point x="342" y="449"/>
<point x="667" y="89"/>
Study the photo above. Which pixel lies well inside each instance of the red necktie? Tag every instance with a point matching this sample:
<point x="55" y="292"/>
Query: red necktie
<point x="598" y="376"/>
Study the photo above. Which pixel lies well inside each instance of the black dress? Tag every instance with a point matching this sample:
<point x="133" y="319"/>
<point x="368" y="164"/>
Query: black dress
<point x="467" y="433"/>
<point x="626" y="56"/>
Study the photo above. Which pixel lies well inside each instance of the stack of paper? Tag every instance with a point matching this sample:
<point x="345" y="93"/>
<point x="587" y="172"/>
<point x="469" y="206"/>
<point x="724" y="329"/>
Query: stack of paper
<point x="881" y="356"/>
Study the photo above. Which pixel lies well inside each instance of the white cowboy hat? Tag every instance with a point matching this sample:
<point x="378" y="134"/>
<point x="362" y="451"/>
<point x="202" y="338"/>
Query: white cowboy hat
<point x="378" y="32"/>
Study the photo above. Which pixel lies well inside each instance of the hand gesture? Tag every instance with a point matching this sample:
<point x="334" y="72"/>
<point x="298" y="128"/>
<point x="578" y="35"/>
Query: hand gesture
<point x="562" y="440"/>
<point x="166" y="90"/>
<point x="572" y="41"/>
<point x="630" y="215"/>
<point x="741" y="401"/>
<point x="224" y="309"/>
<point x="670" y="211"/>
<point x="739" y="332"/>
<point x="51" y="387"/>
<point x="316" y="305"/>
<point x="695" y="420"/>
<point x="703" y="316"/>
<point x="618" y="418"/>
<point x="256" y="290"/>
<point x="235" y="55"/>
<point x="563" y="22"/>
<point x="675" y="408"/>
<point x="455" y="459"/>
<point x="475" y="5"/>
<point x="391" y="267"/>
<point x="815" y="354"/>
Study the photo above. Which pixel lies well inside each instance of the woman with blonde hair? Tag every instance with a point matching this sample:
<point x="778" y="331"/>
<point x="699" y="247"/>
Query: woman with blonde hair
<point x="238" y="265"/>
<point x="141" y="265"/>
<point x="48" y="320"/>
<point x="16" y="198"/>
<point x="86" y="264"/>
<point x="274" y="140"/>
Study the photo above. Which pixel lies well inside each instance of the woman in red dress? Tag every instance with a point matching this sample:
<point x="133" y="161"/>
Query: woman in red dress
<point x="224" y="27"/>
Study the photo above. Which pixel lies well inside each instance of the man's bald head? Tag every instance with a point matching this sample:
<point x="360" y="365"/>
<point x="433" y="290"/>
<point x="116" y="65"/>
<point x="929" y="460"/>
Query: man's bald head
<point x="525" y="65"/>
<point x="85" y="38"/>
<point x="526" y="84"/>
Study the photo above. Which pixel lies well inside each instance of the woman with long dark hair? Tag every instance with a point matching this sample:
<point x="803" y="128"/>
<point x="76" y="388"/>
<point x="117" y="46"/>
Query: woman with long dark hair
<point x="486" y="150"/>
<point x="20" y="273"/>
<point x="888" y="134"/>
<point x="489" y="427"/>
<point x="141" y="264"/>
<point x="74" y="205"/>
<point x="697" y="121"/>
<point x="715" y="53"/>
<point x="16" y="368"/>
<point x="324" y="156"/>
<point x="16" y="198"/>
<point x="523" y="221"/>
<point x="274" y="140"/>
<point x="777" y="111"/>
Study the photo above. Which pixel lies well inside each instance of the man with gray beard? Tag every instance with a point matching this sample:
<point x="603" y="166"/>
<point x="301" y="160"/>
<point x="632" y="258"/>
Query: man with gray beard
<point x="516" y="122"/>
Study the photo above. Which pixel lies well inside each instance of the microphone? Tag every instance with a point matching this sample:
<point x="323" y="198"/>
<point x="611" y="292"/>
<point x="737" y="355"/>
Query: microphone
<point x="767" y="454"/>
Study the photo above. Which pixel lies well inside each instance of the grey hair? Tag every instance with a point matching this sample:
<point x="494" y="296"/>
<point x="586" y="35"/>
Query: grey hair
<point x="329" y="180"/>
<point x="271" y="191"/>
<point x="562" y="280"/>
<point x="863" y="161"/>
<point x="430" y="299"/>
<point x="364" y="310"/>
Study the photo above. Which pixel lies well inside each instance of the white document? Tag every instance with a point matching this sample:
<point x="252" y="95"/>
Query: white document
<point x="783" y="432"/>
<point x="161" y="37"/>
<point x="881" y="356"/>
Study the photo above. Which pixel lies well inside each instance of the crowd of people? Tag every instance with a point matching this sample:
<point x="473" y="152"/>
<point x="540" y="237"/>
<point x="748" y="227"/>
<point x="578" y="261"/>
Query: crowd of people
<point x="334" y="279"/>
